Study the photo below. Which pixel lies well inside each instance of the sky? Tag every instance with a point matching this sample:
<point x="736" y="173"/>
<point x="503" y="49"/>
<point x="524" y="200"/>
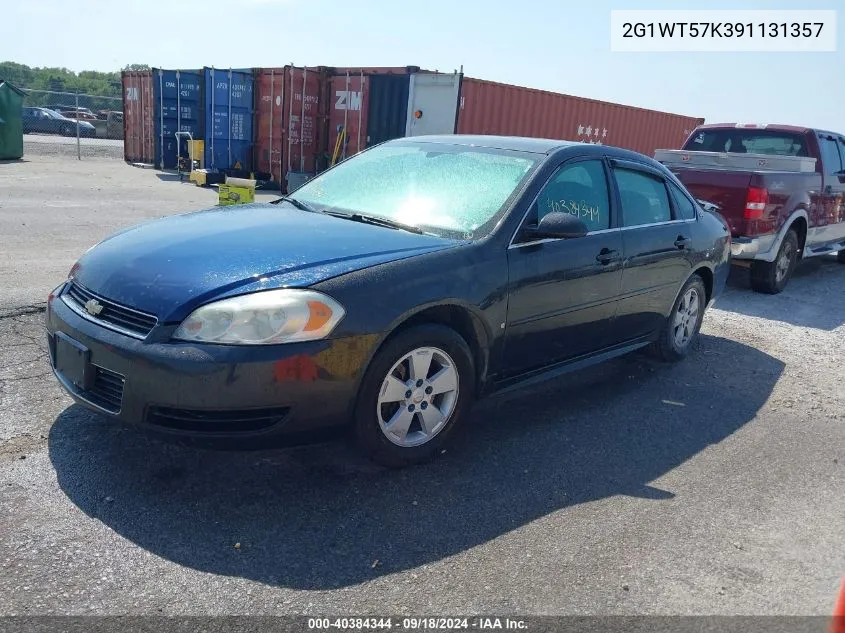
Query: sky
<point x="557" y="45"/>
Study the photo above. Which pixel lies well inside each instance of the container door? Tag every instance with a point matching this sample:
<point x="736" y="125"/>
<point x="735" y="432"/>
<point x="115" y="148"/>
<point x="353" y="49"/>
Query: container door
<point x="269" y="123"/>
<point x="388" y="108"/>
<point x="178" y="108"/>
<point x="228" y="129"/>
<point x="433" y="104"/>
<point x="349" y="99"/>
<point x="306" y="116"/>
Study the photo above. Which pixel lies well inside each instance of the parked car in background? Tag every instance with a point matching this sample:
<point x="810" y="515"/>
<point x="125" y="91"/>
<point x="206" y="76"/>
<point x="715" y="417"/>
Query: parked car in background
<point x="69" y="108"/>
<point x="781" y="189"/>
<point x="83" y="116"/>
<point x="467" y="265"/>
<point x="46" y="121"/>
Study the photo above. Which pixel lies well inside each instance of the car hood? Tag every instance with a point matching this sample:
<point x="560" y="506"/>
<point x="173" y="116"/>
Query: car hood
<point x="170" y="266"/>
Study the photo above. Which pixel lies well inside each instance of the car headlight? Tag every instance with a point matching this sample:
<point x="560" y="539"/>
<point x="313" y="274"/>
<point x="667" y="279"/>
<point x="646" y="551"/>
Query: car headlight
<point x="263" y="318"/>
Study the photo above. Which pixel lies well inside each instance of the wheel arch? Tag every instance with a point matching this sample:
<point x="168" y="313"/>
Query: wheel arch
<point x="707" y="275"/>
<point x="455" y="314"/>
<point x="797" y="219"/>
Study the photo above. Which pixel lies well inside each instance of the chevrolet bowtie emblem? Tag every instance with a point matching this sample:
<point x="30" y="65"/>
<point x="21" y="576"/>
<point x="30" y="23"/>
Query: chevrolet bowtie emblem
<point x="93" y="307"/>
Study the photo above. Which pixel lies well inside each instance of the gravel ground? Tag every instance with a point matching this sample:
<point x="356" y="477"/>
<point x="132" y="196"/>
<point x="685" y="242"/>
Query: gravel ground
<point x="57" y="146"/>
<point x="714" y="486"/>
<point x="52" y="209"/>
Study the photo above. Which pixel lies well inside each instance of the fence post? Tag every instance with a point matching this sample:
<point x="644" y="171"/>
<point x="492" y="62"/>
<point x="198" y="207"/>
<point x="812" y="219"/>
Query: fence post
<point x="78" y="150"/>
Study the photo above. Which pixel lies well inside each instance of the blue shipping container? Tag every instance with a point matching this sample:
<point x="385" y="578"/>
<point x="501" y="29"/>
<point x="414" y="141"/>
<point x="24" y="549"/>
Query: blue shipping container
<point x="178" y="107"/>
<point x="228" y="119"/>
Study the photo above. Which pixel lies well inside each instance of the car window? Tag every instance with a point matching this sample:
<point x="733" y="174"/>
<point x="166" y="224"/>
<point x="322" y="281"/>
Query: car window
<point x="686" y="209"/>
<point x="841" y="144"/>
<point x="644" y="198"/>
<point x="581" y="190"/>
<point x="748" y="141"/>
<point x="831" y="160"/>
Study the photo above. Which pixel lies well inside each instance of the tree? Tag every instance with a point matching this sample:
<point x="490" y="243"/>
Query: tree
<point x="136" y="67"/>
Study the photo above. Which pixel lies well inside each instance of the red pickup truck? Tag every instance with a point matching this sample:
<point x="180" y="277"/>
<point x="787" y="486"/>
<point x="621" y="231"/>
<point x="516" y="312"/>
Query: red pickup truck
<point x="780" y="188"/>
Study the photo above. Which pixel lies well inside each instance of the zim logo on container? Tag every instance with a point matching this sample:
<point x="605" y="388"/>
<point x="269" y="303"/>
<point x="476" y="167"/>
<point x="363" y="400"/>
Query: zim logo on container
<point x="348" y="100"/>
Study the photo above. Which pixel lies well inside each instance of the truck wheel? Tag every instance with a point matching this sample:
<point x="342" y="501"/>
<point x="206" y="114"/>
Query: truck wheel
<point x="840" y="257"/>
<point x="772" y="277"/>
<point x="415" y="392"/>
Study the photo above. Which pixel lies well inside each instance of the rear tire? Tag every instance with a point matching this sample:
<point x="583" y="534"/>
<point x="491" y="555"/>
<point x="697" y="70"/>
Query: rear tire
<point x="682" y="327"/>
<point x="406" y="413"/>
<point x="840" y="257"/>
<point x="772" y="277"/>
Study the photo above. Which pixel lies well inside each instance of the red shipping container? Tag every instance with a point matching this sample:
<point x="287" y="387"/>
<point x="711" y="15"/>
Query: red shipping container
<point x="290" y="121"/>
<point x="138" y="124"/>
<point x="487" y="107"/>
<point x="348" y="101"/>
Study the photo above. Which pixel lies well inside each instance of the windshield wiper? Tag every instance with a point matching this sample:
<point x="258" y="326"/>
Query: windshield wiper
<point x="296" y="203"/>
<point x="377" y="220"/>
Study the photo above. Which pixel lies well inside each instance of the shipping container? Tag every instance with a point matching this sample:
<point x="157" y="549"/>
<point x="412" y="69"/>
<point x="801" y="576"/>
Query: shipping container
<point x="378" y="104"/>
<point x="290" y="124"/>
<point x="178" y="100"/>
<point x="487" y="107"/>
<point x="228" y="119"/>
<point x="138" y="126"/>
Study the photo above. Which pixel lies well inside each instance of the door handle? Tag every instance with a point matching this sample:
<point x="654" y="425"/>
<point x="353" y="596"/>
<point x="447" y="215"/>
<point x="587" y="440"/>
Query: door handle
<point x="682" y="242"/>
<point x="606" y="256"/>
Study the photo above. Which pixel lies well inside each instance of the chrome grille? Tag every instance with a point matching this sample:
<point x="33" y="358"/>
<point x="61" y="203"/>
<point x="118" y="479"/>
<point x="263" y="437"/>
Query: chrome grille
<point x="120" y="317"/>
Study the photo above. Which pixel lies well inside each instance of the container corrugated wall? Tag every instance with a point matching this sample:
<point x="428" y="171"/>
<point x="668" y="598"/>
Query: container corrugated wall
<point x="492" y="108"/>
<point x="270" y="128"/>
<point x="290" y="123"/>
<point x="228" y="119"/>
<point x="178" y="107"/>
<point x="138" y="124"/>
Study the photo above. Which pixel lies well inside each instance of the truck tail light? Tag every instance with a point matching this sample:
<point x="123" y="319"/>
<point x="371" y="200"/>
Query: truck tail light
<point x="755" y="203"/>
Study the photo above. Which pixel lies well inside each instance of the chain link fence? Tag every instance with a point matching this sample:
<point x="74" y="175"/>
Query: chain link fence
<point x="72" y="125"/>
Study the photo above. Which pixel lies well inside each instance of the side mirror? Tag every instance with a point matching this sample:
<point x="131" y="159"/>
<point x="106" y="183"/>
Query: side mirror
<point x="559" y="224"/>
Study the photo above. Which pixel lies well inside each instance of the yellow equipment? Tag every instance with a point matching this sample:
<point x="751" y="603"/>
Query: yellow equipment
<point x="236" y="191"/>
<point x="338" y="145"/>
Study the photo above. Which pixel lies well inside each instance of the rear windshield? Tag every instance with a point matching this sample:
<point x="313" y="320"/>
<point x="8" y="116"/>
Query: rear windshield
<point x="741" y="141"/>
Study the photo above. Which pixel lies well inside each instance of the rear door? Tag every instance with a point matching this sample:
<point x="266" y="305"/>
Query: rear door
<point x="432" y="104"/>
<point x="658" y="245"/>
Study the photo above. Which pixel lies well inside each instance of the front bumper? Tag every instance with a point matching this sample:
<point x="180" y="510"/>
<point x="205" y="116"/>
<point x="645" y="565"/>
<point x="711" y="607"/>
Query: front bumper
<point x="206" y="390"/>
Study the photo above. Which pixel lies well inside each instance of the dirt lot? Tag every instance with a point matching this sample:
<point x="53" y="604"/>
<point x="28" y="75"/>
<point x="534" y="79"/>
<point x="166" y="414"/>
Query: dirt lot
<point x="714" y="486"/>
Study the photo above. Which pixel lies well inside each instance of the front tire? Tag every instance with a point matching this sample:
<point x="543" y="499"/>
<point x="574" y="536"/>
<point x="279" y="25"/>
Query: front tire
<point x="772" y="277"/>
<point x="684" y="322"/>
<point x="418" y="388"/>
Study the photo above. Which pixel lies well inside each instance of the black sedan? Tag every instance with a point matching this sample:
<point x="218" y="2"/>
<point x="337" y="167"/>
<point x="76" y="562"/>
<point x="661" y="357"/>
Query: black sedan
<point x="389" y="293"/>
<point x="46" y="121"/>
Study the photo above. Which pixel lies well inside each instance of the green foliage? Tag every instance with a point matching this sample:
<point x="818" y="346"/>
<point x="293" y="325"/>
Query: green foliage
<point x="87" y="82"/>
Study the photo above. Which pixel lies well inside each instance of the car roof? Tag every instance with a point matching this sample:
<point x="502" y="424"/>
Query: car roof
<point x="516" y="143"/>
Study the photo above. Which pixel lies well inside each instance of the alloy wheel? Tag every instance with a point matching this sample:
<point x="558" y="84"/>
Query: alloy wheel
<point x="418" y="396"/>
<point x="686" y="318"/>
<point x="784" y="262"/>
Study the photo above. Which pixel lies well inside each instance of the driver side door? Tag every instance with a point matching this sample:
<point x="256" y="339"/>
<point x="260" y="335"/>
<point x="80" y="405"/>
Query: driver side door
<point x="564" y="292"/>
